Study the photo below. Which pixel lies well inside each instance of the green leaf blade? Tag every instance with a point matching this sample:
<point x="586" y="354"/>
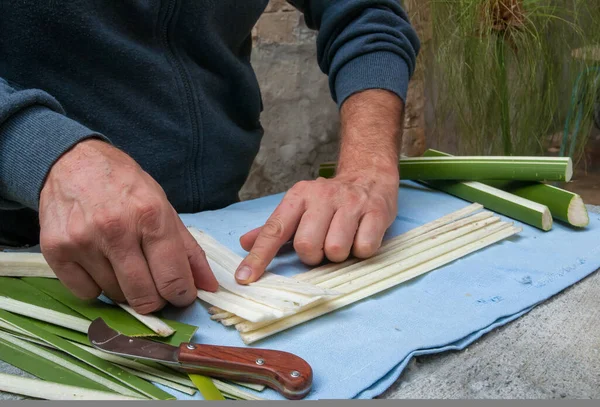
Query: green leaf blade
<point x="206" y="387"/>
<point x="139" y="385"/>
<point x="43" y="368"/>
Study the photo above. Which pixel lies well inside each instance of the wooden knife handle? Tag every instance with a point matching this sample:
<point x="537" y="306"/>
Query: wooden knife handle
<point x="284" y="372"/>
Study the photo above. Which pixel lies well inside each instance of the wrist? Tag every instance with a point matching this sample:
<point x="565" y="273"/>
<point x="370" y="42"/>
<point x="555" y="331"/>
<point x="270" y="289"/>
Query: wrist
<point x="78" y="151"/>
<point x="371" y="133"/>
<point x="369" y="173"/>
<point x="78" y="156"/>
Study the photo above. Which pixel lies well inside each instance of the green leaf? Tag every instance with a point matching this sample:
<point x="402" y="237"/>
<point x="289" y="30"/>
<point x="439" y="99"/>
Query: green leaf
<point x="65" y="333"/>
<point x="17" y="289"/>
<point x="206" y="386"/>
<point x="114" y="316"/>
<point x="45" y="369"/>
<point x="139" y="385"/>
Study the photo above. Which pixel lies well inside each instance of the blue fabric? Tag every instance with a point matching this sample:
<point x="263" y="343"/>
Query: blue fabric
<point x="359" y="351"/>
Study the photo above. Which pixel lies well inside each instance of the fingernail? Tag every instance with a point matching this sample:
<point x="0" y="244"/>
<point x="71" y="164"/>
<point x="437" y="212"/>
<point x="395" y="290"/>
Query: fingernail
<point x="243" y="273"/>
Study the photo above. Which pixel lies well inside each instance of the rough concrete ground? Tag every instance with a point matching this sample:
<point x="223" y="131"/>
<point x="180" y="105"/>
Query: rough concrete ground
<point x="551" y="352"/>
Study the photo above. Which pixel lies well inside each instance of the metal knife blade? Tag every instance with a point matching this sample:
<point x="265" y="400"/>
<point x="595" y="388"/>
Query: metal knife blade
<point x="284" y="372"/>
<point x="107" y="339"/>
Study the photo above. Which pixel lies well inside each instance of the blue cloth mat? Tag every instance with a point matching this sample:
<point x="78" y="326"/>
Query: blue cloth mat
<point x="360" y="350"/>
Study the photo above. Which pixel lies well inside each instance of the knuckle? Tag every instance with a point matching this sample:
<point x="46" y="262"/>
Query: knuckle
<point x="378" y="202"/>
<point x="56" y="249"/>
<point x="195" y="251"/>
<point x="382" y="217"/>
<point x="305" y="247"/>
<point x="356" y="198"/>
<point x="328" y="191"/>
<point x="378" y="214"/>
<point x="336" y="252"/>
<point x="364" y="250"/>
<point x="363" y="196"/>
<point x="352" y="200"/>
<point x="110" y="225"/>
<point x="383" y="208"/>
<point x="273" y="228"/>
<point x="149" y="214"/>
<point x="78" y="235"/>
<point x="146" y="304"/>
<point x="51" y="245"/>
<point x="301" y="186"/>
<point x="197" y="258"/>
<point x="172" y="287"/>
<point x="312" y="260"/>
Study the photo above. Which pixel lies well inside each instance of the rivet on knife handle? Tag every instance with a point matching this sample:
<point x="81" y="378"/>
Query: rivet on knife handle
<point x="284" y="372"/>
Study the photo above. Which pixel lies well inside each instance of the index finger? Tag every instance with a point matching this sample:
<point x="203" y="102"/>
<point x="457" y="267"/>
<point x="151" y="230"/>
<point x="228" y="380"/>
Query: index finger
<point x="277" y="230"/>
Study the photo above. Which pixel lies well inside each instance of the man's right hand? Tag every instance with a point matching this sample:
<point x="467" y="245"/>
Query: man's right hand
<point x="107" y="226"/>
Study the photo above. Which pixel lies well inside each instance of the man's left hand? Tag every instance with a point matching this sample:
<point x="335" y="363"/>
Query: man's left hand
<point x="330" y="218"/>
<point x="348" y="214"/>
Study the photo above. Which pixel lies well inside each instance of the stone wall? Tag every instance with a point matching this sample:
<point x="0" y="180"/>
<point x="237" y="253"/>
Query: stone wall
<point x="300" y="119"/>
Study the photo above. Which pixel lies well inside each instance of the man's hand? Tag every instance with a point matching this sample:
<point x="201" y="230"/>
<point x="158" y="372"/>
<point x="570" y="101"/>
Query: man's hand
<point x="106" y="225"/>
<point x="349" y="213"/>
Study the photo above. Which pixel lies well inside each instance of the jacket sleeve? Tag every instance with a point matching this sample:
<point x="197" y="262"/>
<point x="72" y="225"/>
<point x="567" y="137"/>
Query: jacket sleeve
<point x="34" y="133"/>
<point x="362" y="44"/>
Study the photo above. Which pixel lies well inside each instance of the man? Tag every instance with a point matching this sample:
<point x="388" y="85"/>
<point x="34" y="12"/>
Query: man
<point x="117" y="115"/>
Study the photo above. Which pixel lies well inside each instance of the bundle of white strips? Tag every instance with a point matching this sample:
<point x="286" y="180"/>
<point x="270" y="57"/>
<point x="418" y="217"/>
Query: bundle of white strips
<point x="276" y="303"/>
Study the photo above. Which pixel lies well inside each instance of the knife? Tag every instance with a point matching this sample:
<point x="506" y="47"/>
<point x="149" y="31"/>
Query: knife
<point x="288" y="374"/>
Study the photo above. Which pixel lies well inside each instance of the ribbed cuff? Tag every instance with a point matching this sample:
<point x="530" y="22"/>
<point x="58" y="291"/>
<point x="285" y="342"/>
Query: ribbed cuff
<point x="376" y="70"/>
<point x="30" y="143"/>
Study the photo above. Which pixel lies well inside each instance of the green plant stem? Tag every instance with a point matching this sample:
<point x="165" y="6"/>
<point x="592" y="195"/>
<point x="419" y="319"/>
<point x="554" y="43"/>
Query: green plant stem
<point x="477" y="168"/>
<point x="504" y="95"/>
<point x="564" y="205"/>
<point x="498" y="201"/>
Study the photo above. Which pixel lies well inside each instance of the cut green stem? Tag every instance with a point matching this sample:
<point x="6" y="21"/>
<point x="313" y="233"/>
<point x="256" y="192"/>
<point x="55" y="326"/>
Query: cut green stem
<point x="477" y="168"/>
<point x="499" y="201"/>
<point x="563" y="205"/>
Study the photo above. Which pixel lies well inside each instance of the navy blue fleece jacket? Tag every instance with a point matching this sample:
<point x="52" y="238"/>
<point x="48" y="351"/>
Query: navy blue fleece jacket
<point x="169" y="82"/>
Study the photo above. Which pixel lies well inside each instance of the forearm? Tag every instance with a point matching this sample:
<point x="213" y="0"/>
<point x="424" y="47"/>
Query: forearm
<point x="371" y="134"/>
